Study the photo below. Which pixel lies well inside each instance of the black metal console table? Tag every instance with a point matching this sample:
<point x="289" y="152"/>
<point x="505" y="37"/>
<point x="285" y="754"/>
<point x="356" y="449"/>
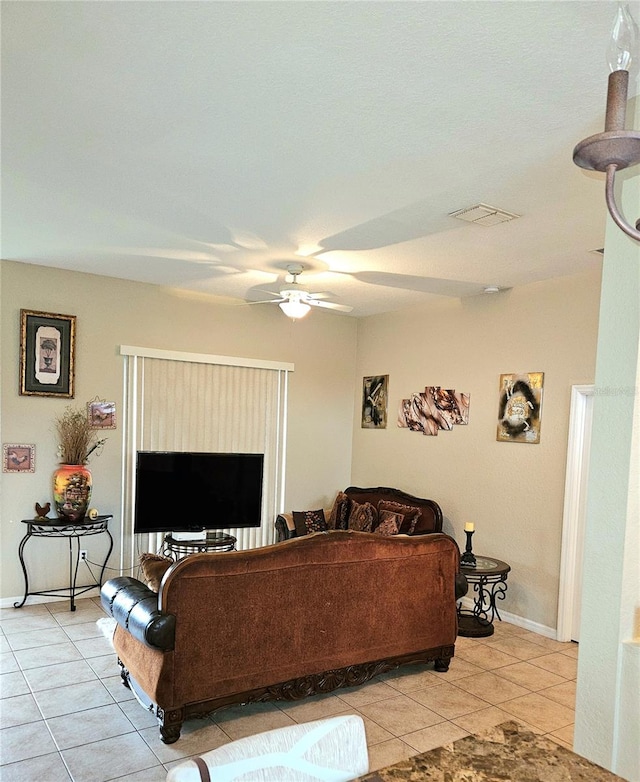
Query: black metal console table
<point x="60" y="528"/>
<point x="212" y="543"/>
<point x="489" y="579"/>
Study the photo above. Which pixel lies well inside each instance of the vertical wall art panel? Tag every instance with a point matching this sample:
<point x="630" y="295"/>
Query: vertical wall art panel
<point x="375" y="391"/>
<point x="519" y="411"/>
<point x="47" y="349"/>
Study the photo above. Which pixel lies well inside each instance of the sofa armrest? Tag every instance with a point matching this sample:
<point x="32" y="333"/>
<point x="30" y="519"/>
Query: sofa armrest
<point x="285" y="527"/>
<point x="462" y="585"/>
<point x="135" y="608"/>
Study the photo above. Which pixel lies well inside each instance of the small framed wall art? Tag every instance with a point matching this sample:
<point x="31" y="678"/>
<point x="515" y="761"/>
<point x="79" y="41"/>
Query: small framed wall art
<point x="375" y="390"/>
<point x="520" y="408"/>
<point x="47" y="346"/>
<point x="18" y="458"/>
<point x="101" y="414"/>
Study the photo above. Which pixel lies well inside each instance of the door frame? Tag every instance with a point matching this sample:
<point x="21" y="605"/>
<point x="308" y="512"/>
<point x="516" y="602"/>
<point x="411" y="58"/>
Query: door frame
<point x="575" y="474"/>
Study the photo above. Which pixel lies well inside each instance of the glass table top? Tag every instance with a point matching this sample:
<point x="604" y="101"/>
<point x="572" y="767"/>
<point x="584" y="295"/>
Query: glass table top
<point x="485" y="563"/>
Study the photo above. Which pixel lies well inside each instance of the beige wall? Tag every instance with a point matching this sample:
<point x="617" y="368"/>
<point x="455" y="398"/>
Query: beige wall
<point x="111" y="312"/>
<point x="513" y="492"/>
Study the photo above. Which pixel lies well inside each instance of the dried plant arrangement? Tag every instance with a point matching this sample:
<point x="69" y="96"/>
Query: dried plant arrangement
<point x="77" y="440"/>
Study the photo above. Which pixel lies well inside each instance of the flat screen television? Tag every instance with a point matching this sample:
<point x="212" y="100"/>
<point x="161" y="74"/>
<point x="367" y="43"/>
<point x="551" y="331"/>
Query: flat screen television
<point x="179" y="491"/>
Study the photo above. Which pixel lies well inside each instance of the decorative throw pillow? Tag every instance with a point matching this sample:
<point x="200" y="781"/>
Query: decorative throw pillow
<point x="390" y="523"/>
<point x="362" y="516"/>
<point x="153" y="567"/>
<point x="339" y="516"/>
<point x="409" y="513"/>
<point x="307" y="521"/>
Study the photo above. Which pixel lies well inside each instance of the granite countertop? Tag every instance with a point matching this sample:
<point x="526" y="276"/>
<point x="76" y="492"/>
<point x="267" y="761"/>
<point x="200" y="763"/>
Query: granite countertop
<point x="507" y="752"/>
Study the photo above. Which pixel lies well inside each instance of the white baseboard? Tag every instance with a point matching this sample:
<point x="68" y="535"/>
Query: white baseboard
<point x="7" y="602"/>
<point x="519" y="621"/>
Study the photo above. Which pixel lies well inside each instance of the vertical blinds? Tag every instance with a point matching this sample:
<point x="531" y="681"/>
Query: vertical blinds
<point x="195" y="402"/>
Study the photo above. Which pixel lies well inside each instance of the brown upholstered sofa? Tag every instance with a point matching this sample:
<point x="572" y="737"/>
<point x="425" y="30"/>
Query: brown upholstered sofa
<point x="429" y="513"/>
<point x="284" y="621"/>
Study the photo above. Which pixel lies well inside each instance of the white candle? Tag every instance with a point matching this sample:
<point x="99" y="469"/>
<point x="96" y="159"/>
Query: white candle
<point x="469" y="526"/>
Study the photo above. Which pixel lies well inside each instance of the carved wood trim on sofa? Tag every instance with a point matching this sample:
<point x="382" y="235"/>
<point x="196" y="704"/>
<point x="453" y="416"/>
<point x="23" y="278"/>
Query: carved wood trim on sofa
<point x="431" y="512"/>
<point x="170" y="720"/>
<point x="430" y="519"/>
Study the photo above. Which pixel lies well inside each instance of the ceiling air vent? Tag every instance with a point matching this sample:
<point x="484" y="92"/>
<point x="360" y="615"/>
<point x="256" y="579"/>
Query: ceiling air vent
<point x="483" y="214"/>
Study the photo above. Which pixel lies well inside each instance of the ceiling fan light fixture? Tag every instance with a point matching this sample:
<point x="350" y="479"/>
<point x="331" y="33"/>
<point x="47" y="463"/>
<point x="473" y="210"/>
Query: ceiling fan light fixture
<point x="294" y="270"/>
<point x="294" y="309"/>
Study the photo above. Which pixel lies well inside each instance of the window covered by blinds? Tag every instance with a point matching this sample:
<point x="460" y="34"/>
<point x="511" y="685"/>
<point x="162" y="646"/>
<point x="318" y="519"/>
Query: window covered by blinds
<point x="195" y="402"/>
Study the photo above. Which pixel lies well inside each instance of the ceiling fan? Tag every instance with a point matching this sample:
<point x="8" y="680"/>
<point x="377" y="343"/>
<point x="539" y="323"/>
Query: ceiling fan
<point x="295" y="301"/>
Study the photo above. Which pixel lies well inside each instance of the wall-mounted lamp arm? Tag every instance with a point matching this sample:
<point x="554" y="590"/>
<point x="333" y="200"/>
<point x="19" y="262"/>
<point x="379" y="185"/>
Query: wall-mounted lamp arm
<point x="616" y="148"/>
<point x="619" y="220"/>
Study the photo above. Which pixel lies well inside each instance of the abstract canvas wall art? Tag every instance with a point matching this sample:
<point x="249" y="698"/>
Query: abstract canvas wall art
<point x="519" y="410"/>
<point x="375" y="391"/>
<point x="434" y="409"/>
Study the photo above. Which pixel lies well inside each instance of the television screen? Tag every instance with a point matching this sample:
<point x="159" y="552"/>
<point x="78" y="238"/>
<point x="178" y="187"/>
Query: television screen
<point x="189" y="491"/>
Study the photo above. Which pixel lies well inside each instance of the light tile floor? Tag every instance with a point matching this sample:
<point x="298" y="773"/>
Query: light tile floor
<point x="64" y="714"/>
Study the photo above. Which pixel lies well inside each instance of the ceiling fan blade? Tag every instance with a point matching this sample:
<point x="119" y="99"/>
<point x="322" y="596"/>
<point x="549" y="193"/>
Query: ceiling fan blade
<point x="321" y="295"/>
<point x="266" y="301"/>
<point x="264" y="292"/>
<point x="434" y="285"/>
<point x="329" y="305"/>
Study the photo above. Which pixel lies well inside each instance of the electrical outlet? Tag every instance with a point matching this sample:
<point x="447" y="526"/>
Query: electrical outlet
<point x="83" y="553"/>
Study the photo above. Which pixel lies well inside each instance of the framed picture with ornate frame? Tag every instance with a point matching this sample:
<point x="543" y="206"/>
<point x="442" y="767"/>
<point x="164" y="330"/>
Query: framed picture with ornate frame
<point x="47" y="347"/>
<point x="101" y="414"/>
<point x="18" y="457"/>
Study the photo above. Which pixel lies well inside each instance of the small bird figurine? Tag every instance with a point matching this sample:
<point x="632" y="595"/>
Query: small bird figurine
<point x="42" y="510"/>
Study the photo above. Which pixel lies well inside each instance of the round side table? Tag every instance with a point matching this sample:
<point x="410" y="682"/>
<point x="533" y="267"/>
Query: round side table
<point x="489" y="579"/>
<point x="212" y="543"/>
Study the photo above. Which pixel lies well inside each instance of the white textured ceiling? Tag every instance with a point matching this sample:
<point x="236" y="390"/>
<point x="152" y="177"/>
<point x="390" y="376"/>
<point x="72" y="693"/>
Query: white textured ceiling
<point x="204" y="145"/>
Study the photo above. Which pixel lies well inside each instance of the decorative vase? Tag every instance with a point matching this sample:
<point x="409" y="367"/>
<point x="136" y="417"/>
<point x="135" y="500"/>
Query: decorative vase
<point x="72" y="491"/>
